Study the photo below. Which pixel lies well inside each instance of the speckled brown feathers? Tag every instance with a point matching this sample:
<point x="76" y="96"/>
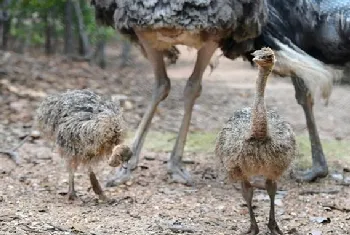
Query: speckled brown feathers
<point x="255" y="141"/>
<point x="84" y="126"/>
<point x="86" y="129"/>
<point x="243" y="157"/>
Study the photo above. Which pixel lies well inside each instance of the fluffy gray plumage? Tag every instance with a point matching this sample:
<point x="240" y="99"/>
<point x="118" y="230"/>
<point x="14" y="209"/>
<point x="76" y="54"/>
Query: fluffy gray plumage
<point x="189" y="14"/>
<point x="332" y="34"/>
<point x="244" y="157"/>
<point x="240" y="20"/>
<point x="85" y="126"/>
<point x="321" y="28"/>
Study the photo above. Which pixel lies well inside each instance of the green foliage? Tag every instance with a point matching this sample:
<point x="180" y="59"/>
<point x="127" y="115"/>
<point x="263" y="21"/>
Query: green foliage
<point x="30" y="17"/>
<point x="95" y="32"/>
<point x="40" y="4"/>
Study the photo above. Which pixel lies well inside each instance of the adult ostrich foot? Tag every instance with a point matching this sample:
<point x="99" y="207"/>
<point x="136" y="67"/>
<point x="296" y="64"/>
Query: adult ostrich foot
<point x="274" y="229"/>
<point x="311" y="174"/>
<point x="319" y="163"/>
<point x="180" y="175"/>
<point x="122" y="175"/>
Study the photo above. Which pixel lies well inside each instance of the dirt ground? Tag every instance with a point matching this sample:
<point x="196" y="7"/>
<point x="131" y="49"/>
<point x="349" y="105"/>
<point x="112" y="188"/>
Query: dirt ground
<point x="32" y="195"/>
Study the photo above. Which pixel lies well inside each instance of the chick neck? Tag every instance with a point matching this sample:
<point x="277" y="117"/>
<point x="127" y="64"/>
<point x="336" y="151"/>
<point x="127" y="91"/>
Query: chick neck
<point x="259" y="123"/>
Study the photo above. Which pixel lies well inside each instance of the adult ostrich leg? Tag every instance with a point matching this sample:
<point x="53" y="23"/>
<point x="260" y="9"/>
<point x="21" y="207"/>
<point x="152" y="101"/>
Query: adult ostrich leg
<point x="319" y="167"/>
<point x="160" y="92"/>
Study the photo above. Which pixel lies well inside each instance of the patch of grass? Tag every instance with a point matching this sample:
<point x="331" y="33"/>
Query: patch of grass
<point x="204" y="142"/>
<point x="164" y="141"/>
<point x="333" y="149"/>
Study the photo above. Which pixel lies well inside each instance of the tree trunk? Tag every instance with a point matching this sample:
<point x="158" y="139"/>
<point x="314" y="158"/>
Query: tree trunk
<point x="100" y="54"/>
<point x="48" y="33"/>
<point x="6" y="26"/>
<point x="54" y="34"/>
<point x="22" y="41"/>
<point x="68" y="28"/>
<point x="6" y="33"/>
<point x="5" y="23"/>
<point x="125" y="55"/>
<point x="1" y="27"/>
<point x="25" y="42"/>
<point x="83" y="38"/>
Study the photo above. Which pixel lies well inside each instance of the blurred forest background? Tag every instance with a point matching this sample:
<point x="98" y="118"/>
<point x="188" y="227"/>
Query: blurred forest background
<point x="56" y="27"/>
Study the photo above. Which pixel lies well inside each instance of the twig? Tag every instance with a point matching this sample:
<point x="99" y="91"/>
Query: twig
<point x="310" y="192"/>
<point x="32" y="230"/>
<point x="336" y="207"/>
<point x="56" y="228"/>
<point x="12" y="154"/>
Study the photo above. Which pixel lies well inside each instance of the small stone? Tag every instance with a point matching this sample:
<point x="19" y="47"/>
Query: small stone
<point x="129" y="183"/>
<point x="337" y="176"/>
<point x="320" y="220"/>
<point x="119" y="97"/>
<point x="35" y="134"/>
<point x="128" y="105"/>
<point x="278" y="202"/>
<point x="347" y="180"/>
<point x="316" y="232"/>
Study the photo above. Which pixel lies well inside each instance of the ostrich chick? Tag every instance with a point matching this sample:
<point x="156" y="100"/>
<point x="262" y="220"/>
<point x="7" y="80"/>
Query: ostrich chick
<point x="86" y="129"/>
<point x="257" y="142"/>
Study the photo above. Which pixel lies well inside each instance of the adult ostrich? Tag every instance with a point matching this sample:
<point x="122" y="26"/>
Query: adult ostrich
<point x="157" y="26"/>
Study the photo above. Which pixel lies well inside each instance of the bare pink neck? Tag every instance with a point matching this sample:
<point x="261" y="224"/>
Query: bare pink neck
<point x="259" y="125"/>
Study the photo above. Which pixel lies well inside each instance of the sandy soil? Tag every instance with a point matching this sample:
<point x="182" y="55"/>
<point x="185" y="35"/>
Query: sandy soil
<point x="32" y="195"/>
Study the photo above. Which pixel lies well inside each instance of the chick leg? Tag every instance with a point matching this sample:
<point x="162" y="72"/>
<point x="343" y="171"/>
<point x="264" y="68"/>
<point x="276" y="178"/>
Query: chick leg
<point x="96" y="185"/>
<point x="319" y="163"/>
<point x="71" y="191"/>
<point x="247" y="192"/>
<point x="192" y="92"/>
<point x="160" y="92"/>
<point x="271" y="188"/>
